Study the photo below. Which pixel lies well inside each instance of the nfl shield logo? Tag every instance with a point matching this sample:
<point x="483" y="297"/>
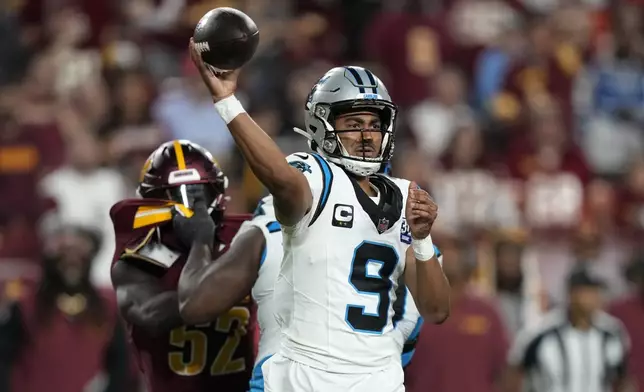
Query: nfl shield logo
<point x="383" y="225"/>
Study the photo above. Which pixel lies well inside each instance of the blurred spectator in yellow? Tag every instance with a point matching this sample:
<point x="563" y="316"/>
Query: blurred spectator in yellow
<point x="84" y="192"/>
<point x="547" y="69"/>
<point x="630" y="311"/>
<point x="64" y="334"/>
<point x="466" y="353"/>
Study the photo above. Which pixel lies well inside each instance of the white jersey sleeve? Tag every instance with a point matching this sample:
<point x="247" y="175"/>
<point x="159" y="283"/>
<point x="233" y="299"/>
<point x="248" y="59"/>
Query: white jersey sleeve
<point x="264" y="287"/>
<point x="319" y="175"/>
<point x="262" y="220"/>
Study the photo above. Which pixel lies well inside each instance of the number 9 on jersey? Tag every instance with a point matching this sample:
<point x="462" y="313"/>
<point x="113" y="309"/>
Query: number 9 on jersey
<point x="374" y="284"/>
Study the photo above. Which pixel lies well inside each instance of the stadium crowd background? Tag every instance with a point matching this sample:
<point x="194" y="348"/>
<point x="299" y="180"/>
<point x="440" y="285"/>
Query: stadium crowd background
<point x="522" y="117"/>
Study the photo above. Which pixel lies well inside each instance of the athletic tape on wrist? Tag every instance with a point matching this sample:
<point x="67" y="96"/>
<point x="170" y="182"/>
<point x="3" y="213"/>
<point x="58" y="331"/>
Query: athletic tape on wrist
<point x="423" y="249"/>
<point x="229" y="108"/>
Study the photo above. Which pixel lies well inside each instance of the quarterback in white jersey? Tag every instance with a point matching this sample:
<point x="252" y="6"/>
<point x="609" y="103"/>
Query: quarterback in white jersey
<point x="349" y="235"/>
<point x="406" y="318"/>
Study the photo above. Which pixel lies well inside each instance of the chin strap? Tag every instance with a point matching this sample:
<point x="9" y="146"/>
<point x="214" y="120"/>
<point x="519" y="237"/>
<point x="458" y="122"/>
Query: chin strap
<point x="303" y="133"/>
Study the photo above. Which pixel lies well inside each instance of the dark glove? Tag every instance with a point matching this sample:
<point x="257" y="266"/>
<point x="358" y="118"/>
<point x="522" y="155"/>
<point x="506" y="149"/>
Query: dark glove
<point x="200" y="228"/>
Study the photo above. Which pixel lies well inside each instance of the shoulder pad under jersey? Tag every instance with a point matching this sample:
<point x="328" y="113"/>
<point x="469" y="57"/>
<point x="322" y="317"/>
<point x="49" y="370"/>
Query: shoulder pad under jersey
<point x="135" y="223"/>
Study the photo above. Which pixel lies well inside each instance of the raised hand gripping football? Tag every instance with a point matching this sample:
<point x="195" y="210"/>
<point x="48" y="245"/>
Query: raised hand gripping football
<point x="421" y="212"/>
<point x="199" y="228"/>
<point x="220" y="85"/>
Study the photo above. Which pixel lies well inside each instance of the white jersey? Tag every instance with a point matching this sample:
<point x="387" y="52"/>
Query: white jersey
<point x="406" y="317"/>
<point x="336" y="289"/>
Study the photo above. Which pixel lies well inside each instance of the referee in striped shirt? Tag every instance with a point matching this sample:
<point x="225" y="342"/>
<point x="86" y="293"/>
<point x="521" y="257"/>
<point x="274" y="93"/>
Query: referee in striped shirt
<point x="577" y="348"/>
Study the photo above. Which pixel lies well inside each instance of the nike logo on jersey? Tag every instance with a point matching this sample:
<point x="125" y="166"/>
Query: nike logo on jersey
<point x="302" y="156"/>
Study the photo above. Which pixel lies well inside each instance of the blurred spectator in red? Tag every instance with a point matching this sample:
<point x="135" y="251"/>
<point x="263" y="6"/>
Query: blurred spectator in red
<point x="84" y="192"/>
<point x="94" y="18"/>
<point x="554" y="171"/>
<point x="410" y="45"/>
<point x="130" y="134"/>
<point x="73" y="71"/>
<point x="547" y="148"/>
<point x="631" y="198"/>
<point x="474" y="327"/>
<point x="433" y="121"/>
<point x="30" y="146"/>
<point x="471" y="198"/>
<point x="630" y="311"/>
<point x="64" y="335"/>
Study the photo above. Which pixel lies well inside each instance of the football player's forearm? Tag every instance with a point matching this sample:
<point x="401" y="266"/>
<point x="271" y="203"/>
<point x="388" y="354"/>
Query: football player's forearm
<point x="288" y="186"/>
<point x="433" y="290"/>
<point x="191" y="288"/>
<point x="159" y="313"/>
<point x="207" y="291"/>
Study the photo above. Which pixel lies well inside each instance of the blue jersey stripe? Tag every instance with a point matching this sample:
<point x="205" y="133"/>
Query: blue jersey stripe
<point x="327" y="182"/>
<point x="257" y="379"/>
<point x="416" y="331"/>
<point x="406" y="358"/>
<point x="273" y="226"/>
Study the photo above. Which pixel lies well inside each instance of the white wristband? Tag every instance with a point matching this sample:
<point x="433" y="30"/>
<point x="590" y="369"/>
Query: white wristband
<point x="229" y="108"/>
<point x="423" y="249"/>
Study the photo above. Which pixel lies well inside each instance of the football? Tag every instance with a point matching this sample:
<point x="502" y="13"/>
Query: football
<point x="226" y="38"/>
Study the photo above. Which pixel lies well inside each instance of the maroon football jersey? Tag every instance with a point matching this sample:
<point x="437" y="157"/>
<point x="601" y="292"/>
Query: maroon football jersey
<point x="217" y="356"/>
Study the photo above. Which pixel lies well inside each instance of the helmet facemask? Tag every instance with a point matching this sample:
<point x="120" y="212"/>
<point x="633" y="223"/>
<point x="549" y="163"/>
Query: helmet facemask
<point x="331" y="146"/>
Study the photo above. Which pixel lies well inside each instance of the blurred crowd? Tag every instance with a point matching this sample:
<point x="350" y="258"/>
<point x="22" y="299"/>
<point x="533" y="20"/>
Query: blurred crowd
<point x="522" y="117"/>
